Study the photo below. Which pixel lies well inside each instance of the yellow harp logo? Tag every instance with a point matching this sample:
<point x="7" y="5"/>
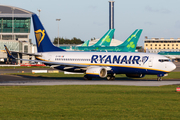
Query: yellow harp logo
<point x="39" y="36"/>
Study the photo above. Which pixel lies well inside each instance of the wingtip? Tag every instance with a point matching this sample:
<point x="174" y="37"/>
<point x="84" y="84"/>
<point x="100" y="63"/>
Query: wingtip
<point x="8" y="52"/>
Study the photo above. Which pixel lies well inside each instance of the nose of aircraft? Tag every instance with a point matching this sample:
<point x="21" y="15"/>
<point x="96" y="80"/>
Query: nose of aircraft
<point x="172" y="66"/>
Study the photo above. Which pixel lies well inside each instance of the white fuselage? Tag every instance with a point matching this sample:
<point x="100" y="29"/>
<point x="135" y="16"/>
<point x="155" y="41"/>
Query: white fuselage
<point x="118" y="60"/>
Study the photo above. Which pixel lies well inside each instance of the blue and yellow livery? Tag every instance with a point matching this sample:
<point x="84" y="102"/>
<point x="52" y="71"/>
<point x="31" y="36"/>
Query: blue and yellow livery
<point x="99" y="64"/>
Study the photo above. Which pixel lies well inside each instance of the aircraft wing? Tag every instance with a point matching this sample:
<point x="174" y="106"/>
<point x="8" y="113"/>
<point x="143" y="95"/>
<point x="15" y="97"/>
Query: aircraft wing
<point x="31" y="54"/>
<point x="46" y="62"/>
<point x="57" y="63"/>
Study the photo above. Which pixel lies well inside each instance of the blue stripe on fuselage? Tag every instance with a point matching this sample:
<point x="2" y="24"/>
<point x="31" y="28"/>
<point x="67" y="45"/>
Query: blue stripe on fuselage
<point x="129" y="70"/>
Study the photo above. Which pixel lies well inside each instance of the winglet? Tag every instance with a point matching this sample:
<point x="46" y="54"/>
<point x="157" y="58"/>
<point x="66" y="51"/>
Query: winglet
<point x="8" y="53"/>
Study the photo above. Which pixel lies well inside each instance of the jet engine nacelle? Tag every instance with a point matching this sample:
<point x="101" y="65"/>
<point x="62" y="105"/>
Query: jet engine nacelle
<point x="135" y="75"/>
<point x="96" y="72"/>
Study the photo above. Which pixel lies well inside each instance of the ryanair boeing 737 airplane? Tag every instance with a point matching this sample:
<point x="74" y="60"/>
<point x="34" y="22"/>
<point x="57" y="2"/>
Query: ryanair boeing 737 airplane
<point x="97" y="64"/>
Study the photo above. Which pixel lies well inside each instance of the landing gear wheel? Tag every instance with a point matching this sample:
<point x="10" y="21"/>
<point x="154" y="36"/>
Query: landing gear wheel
<point x="110" y="77"/>
<point x="159" y="79"/>
<point x="87" y="78"/>
<point x="113" y="78"/>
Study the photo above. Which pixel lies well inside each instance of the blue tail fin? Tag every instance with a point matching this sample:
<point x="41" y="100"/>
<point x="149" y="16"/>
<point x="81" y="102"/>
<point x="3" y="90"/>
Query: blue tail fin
<point x="106" y="39"/>
<point x="43" y="42"/>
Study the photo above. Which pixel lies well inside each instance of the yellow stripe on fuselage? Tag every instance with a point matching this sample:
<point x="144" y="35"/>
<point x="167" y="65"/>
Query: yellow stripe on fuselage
<point x="109" y="65"/>
<point x="43" y="59"/>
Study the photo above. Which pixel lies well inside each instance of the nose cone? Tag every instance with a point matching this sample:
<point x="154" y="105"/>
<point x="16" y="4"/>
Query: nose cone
<point x="172" y="66"/>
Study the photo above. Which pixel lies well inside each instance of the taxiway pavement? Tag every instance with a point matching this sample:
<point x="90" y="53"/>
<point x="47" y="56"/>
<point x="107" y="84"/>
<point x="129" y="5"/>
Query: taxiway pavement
<point x="12" y="80"/>
<point x="27" y="80"/>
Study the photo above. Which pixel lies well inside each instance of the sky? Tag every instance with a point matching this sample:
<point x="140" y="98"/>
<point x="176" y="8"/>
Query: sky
<point x="86" y="19"/>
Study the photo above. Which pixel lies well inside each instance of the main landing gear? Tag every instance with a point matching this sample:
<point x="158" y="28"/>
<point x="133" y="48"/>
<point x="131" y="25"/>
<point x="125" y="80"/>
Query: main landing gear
<point x="111" y="77"/>
<point x="87" y="77"/>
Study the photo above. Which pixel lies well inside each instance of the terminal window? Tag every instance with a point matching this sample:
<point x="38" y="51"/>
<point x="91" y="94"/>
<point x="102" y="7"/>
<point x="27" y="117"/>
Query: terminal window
<point x="7" y="37"/>
<point x="20" y="25"/>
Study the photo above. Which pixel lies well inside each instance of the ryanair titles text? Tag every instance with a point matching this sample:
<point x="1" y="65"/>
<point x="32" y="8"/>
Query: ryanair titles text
<point x="118" y="59"/>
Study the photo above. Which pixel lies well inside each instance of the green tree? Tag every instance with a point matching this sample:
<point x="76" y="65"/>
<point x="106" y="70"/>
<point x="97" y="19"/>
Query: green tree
<point x="74" y="40"/>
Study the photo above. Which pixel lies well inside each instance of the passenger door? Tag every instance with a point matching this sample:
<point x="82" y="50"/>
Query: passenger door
<point x="151" y="62"/>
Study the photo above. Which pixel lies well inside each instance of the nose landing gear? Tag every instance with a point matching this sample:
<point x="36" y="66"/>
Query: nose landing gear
<point x="159" y="79"/>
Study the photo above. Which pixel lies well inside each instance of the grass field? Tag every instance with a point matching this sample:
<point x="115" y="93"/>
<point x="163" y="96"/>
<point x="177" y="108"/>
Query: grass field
<point x="172" y="75"/>
<point x="89" y="102"/>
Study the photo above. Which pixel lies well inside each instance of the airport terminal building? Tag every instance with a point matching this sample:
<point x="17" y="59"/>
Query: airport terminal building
<point x="155" y="45"/>
<point x="15" y="26"/>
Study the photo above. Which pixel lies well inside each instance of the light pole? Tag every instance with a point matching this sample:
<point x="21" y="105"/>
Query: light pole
<point x="13" y="23"/>
<point x="58" y="30"/>
<point x="39" y="10"/>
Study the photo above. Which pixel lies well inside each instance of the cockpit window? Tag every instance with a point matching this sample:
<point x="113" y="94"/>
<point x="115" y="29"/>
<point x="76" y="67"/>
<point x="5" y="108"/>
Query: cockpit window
<point x="164" y="60"/>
